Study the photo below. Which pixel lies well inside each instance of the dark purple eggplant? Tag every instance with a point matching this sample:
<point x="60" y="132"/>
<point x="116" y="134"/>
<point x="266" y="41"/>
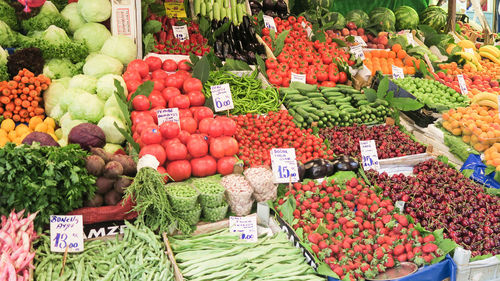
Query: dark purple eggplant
<point x="330" y="168"/>
<point x="281" y="7"/>
<point x="268" y="5"/>
<point x="315" y="169"/>
<point x="301" y="170"/>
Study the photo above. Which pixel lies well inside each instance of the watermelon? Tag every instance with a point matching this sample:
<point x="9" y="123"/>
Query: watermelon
<point x="435" y="17"/>
<point x="382" y="19"/>
<point x="359" y="17"/>
<point x="337" y="18"/>
<point x="406" y="18"/>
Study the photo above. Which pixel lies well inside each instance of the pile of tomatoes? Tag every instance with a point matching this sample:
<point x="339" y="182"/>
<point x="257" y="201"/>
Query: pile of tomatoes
<point x="317" y="60"/>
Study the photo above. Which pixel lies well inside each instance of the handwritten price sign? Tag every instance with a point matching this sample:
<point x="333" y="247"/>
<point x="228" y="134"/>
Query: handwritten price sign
<point x="358" y="52"/>
<point x="397" y="72"/>
<point x="66" y="232"/>
<point x="181" y="32"/>
<point x="284" y="165"/>
<point x="269" y="22"/>
<point x="461" y="83"/>
<point x="221" y="95"/>
<point x="247" y="226"/>
<point x="369" y="155"/>
<point x="298" y="78"/>
<point x="168" y="114"/>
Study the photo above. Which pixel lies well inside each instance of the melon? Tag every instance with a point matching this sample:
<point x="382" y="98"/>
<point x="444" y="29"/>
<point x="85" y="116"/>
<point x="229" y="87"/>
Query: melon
<point x="359" y="17"/>
<point x="382" y="19"/>
<point x="406" y="18"/>
<point x="435" y="17"/>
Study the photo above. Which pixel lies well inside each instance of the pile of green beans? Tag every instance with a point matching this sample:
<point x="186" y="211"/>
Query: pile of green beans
<point x="248" y="94"/>
<point x="139" y="256"/>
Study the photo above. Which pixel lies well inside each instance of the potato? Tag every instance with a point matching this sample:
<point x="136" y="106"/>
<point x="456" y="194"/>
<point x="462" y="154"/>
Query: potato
<point x="95" y="165"/>
<point x="95" y="202"/>
<point x="128" y="164"/>
<point x="121" y="184"/>
<point x="104" y="184"/>
<point x="112" y="198"/>
<point x="113" y="169"/>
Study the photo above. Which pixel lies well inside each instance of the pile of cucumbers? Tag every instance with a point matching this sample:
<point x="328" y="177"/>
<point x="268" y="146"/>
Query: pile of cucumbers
<point x="220" y="9"/>
<point x="333" y="106"/>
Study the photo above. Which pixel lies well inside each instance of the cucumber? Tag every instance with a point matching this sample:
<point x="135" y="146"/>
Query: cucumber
<point x="314" y="95"/>
<point x="197" y="7"/>
<point x="210" y="12"/>
<point x="216" y="9"/>
<point x="203" y="10"/>
<point x="314" y="111"/>
<point x="318" y="104"/>
<point x="295" y="97"/>
<point x="223" y="13"/>
<point x="302" y="112"/>
<point x="240" y="12"/>
<point x="382" y="102"/>
<point x="299" y="103"/>
<point x="350" y="91"/>
<point x="287" y="91"/>
<point x="363" y="102"/>
<point x="333" y="94"/>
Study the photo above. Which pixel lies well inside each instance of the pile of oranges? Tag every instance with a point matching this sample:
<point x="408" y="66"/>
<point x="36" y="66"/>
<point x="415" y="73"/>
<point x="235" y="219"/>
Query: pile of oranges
<point x="479" y="126"/>
<point x="21" y="99"/>
<point x="383" y="60"/>
<point x="490" y="69"/>
<point x="9" y="132"/>
<point x="492" y="156"/>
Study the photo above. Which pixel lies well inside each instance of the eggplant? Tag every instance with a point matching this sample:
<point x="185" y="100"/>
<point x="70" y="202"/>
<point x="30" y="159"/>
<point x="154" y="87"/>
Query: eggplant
<point x="225" y="20"/>
<point x="270" y="13"/>
<point x="218" y="47"/>
<point x="246" y="22"/>
<point x="214" y="24"/>
<point x="342" y="166"/>
<point x="251" y="57"/>
<point x="281" y="7"/>
<point x="260" y="49"/>
<point x="301" y="170"/>
<point x="225" y="49"/>
<point x="251" y="34"/>
<point x="239" y="56"/>
<point x="219" y="55"/>
<point x="330" y="168"/>
<point x="229" y="56"/>
<point x="255" y="5"/>
<point x="239" y="46"/>
<point x="238" y="34"/>
<point x="255" y="11"/>
<point x="315" y="169"/>
<point x="268" y="5"/>
<point x="346" y="163"/>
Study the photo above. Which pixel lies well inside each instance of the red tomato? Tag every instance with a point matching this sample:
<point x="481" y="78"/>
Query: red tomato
<point x="169" y="129"/>
<point x="202" y="113"/>
<point x="230" y="146"/>
<point x="139" y="66"/>
<point x="188" y="124"/>
<point x="179" y="170"/>
<point x="156" y="150"/>
<point x="158" y="85"/>
<point x="141" y="102"/>
<point x="154" y="63"/>
<point x="157" y="99"/>
<point x="143" y="125"/>
<point x="204" y="166"/>
<point x="181" y="101"/>
<point x="216" y="128"/>
<point x="170" y="92"/>
<point x="141" y="116"/>
<point x="159" y="74"/>
<point x="183" y="74"/>
<point x="204" y="125"/>
<point x="131" y="75"/>
<point x="163" y="171"/>
<point x="175" y="81"/>
<point x="176" y="151"/>
<point x="184" y="66"/>
<point x="228" y="124"/>
<point x="132" y="85"/>
<point x="217" y="148"/>
<point x="196" y="98"/>
<point x="184" y="112"/>
<point x="184" y="136"/>
<point x="191" y="85"/>
<point x="151" y="136"/>
<point x="197" y="147"/>
<point x="169" y="65"/>
<point x="225" y="165"/>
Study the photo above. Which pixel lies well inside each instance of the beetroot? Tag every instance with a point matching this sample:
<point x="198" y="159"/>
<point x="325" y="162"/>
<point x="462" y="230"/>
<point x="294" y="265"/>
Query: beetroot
<point x="95" y="165"/>
<point x="42" y="138"/>
<point x="113" y="169"/>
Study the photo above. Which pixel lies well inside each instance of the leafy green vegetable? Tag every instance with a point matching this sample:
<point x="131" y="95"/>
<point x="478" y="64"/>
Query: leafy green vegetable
<point x="7" y="35"/>
<point x="99" y="65"/>
<point x="49" y="15"/>
<point x="8" y="15"/>
<point x="4" y="75"/>
<point x="106" y="86"/>
<point x="59" y="68"/>
<point x="71" y="14"/>
<point x="95" y="10"/>
<point x="87" y="107"/>
<point x="55" y="176"/>
<point x="84" y="82"/>
<point x="93" y="35"/>
<point x="121" y="48"/>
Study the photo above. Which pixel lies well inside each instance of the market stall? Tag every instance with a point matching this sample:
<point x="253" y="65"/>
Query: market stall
<point x="248" y="140"/>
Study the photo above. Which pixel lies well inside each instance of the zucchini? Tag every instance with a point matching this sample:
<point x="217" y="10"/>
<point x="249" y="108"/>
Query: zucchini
<point x="314" y="95"/>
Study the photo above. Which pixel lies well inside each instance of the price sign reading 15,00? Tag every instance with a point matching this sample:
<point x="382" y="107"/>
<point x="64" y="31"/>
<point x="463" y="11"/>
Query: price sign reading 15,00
<point x="284" y="165"/>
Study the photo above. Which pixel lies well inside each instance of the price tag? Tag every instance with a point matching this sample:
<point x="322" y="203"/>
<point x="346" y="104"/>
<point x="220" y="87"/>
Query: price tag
<point x="247" y="226"/>
<point x="221" y="95"/>
<point x="358" y="52"/>
<point x="66" y="232"/>
<point x="168" y="114"/>
<point x="298" y="78"/>
<point x="400" y="205"/>
<point x="469" y="50"/>
<point x="360" y="41"/>
<point x="309" y="32"/>
<point x="175" y="9"/>
<point x="269" y="23"/>
<point x="409" y="37"/>
<point x="461" y="83"/>
<point x="284" y="165"/>
<point x="461" y="6"/>
<point x="397" y="72"/>
<point x="181" y="32"/>
<point x="369" y="155"/>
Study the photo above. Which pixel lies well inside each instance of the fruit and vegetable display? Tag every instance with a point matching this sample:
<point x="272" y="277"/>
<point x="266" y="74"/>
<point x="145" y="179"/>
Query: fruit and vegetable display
<point x="221" y="255"/>
<point x="333" y="106"/>
<point x="468" y="215"/>
<point x="390" y="141"/>
<point x="118" y="120"/>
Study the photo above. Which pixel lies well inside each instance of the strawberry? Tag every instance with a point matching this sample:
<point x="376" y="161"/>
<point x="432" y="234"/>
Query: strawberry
<point x="379" y="253"/>
<point x="315" y="248"/>
<point x="339" y="271"/>
<point x="389" y="263"/>
<point x="410" y="256"/>
<point x="386" y="219"/>
<point x="429" y="248"/>
<point x="398" y="250"/>
<point x="402" y="220"/>
<point x="322" y="245"/>
<point x="409" y="247"/>
<point x="402" y="257"/>
<point x="429" y="238"/>
<point x="428" y="258"/>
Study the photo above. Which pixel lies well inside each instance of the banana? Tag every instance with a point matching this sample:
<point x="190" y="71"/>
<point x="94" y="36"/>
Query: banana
<point x="488" y="103"/>
<point x="483" y="96"/>
<point x="466" y="56"/>
<point x="472" y="65"/>
<point x="490" y="56"/>
<point x="450" y="48"/>
<point x="466" y="44"/>
<point x="490" y="49"/>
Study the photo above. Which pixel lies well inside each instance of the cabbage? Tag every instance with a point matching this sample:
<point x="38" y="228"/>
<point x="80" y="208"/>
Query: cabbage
<point x="64" y="81"/>
<point x="69" y="96"/>
<point x="120" y="47"/>
<point x="55" y="35"/>
<point x="56" y="113"/>
<point x="84" y="82"/>
<point x="7" y="36"/>
<point x="109" y="129"/>
<point x="52" y="96"/>
<point x="106" y="86"/>
<point x="112" y="147"/>
<point x="111" y="108"/>
<point x="70" y="13"/>
<point x="59" y="68"/>
<point x="95" y="10"/>
<point x="3" y="56"/>
<point x="86" y="107"/>
<point x="99" y="65"/>
<point x="93" y="34"/>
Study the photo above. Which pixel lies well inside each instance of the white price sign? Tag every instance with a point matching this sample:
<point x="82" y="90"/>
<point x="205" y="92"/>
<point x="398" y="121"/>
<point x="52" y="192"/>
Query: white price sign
<point x="269" y="23"/>
<point x="221" y="95"/>
<point x="66" y="232"/>
<point x="247" y="226"/>
<point x="360" y="41"/>
<point x="298" y="78"/>
<point x="168" y="114"/>
<point x="400" y="205"/>
<point x="409" y="37"/>
<point x="469" y="50"/>
<point x="284" y="165"/>
<point x="369" y="155"/>
<point x="461" y="83"/>
<point x="181" y="32"/>
<point x="397" y="72"/>
<point x="358" y="52"/>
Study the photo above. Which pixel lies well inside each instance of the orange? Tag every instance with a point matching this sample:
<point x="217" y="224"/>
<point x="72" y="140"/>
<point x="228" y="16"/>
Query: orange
<point x="3" y="140"/>
<point x="8" y="125"/>
<point x="384" y="54"/>
<point x="396" y="47"/>
<point x="392" y="55"/>
<point x="401" y="54"/>
<point x="35" y="121"/>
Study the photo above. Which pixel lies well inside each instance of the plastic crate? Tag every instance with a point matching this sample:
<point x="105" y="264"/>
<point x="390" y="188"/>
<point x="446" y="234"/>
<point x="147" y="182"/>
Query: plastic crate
<point x="482" y="270"/>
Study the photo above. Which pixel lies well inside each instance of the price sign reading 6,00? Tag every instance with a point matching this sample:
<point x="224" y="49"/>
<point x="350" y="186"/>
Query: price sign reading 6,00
<point x="66" y="232"/>
<point x="221" y="95"/>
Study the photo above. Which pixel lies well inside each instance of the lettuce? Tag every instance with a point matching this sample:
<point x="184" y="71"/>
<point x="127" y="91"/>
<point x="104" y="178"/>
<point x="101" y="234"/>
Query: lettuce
<point x="7" y="36"/>
<point x="8" y="15"/>
<point x="87" y="107"/>
<point x="70" y="13"/>
<point x="120" y="47"/>
<point x="93" y="35"/>
<point x="106" y="86"/>
<point x="95" y="10"/>
<point x="59" y="68"/>
<point x="112" y="134"/>
<point x="84" y="82"/>
<point x="52" y="97"/>
<point x="49" y="15"/>
<point x="99" y="65"/>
